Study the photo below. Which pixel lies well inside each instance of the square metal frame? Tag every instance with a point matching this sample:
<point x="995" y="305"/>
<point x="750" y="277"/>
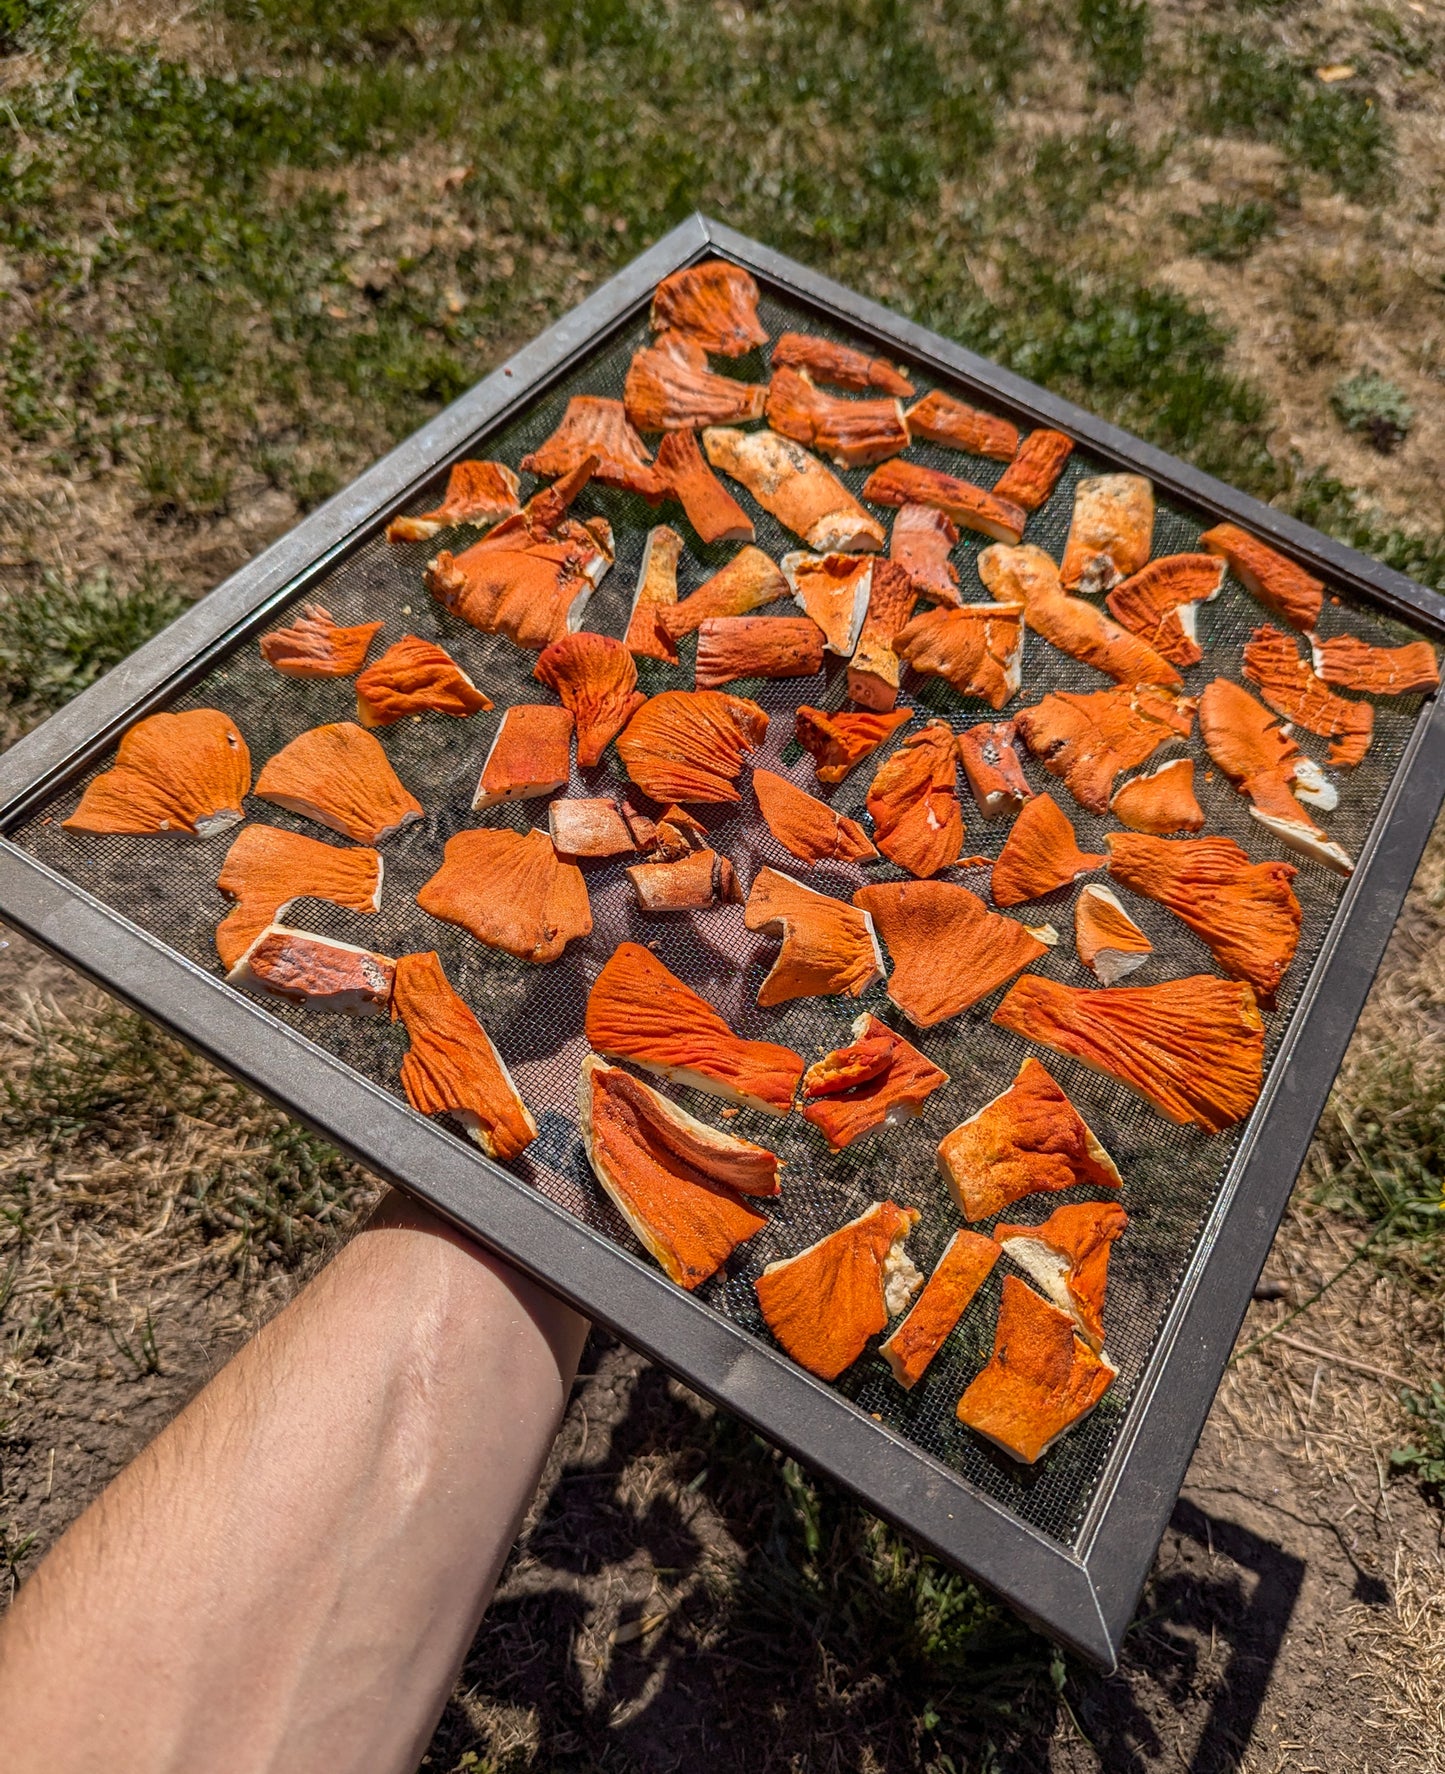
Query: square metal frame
<point x="1083" y="1594"/>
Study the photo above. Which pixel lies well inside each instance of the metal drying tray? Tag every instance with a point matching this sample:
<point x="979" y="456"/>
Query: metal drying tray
<point x="1069" y="1542"/>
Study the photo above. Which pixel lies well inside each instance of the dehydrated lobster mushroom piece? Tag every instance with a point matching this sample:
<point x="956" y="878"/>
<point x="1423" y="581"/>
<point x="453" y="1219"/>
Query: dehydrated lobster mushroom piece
<point x="1160" y="603"/>
<point x="415" y="677"/>
<point x="832" y="590"/>
<point x="977" y="648"/>
<point x="656" y="591"/>
<point x="1287" y="591"/>
<point x="670" y="388"/>
<point x="589" y="828"/>
<point x="808" y="827"/>
<point x="913" y="802"/>
<point x="711" y="509"/>
<point x="315" y="971"/>
<point x="748" y="581"/>
<point x="1067" y="1258"/>
<point x="1110" y="944"/>
<point x="909" y="483"/>
<point x="1111" y="533"/>
<point x="339" y="776"/>
<point x="477" y="493"/>
<point x="875" y="670"/>
<point x="1350" y="664"/>
<point x="1039" y="854"/>
<point x="597" y="680"/>
<point x="1033" y="474"/>
<point x="851" y="433"/>
<point x="267" y="870"/>
<point x="593" y="427"/>
<point x="839" y="742"/>
<point x="992" y="767"/>
<point x="511" y="891"/>
<point x="795" y="488"/>
<point x="1089" y="739"/>
<point x="184" y="773"/>
<point x="530" y="755"/>
<point x="732" y="647"/>
<point x="690" y="883"/>
<point x="922" y="539"/>
<point x="714" y="303"/>
<point x="1289" y="685"/>
<point x="966" y="1263"/>
<point x="1159" y="801"/>
<point x="878" y="1080"/>
<point x="316" y="646"/>
<point x="943" y="420"/>
<point x="689" y="745"/>
<point x="829" y="947"/>
<point x="838" y="365"/>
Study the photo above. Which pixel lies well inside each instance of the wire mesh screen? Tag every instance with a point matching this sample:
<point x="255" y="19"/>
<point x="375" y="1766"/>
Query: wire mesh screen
<point x="534" y="1014"/>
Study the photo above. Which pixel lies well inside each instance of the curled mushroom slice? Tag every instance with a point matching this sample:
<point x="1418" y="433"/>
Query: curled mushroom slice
<point x="339" y="776"/>
<point x="1285" y="590"/>
<point x="1088" y="740"/>
<point x="923" y="538"/>
<point x="833" y="590"/>
<point x="1350" y="664"/>
<point x="670" y="388"/>
<point x="1159" y="801"/>
<point x="1028" y="1139"/>
<point x="656" y="591"/>
<point x="852" y="433"/>
<point x="637" y="1010"/>
<point x="943" y="420"/>
<point x="1034" y="473"/>
<point x="316" y="646"/>
<point x="966" y="1263"/>
<point x="878" y="1080"/>
<point x="826" y="1302"/>
<point x="1111" y="533"/>
<point x="689" y="745"/>
<point x="315" y="971"/>
<point x="415" y="677"/>
<point x="188" y="773"/>
<point x="1039" y="854"/>
<point x="1110" y="944"/>
<point x="839" y="742"/>
<point x="796" y="488"/>
<point x="690" y="883"/>
<point x="711" y="509"/>
<point x="530" y="755"/>
<point x="749" y="580"/>
<point x="909" y="483"/>
<point x="991" y="764"/>
<point x="1067" y="1258"/>
<point x="451" y="1066"/>
<point x="1042" y="1379"/>
<point x="1160" y="603"/>
<point x="913" y="802"/>
<point x="978" y="648"/>
<point x="809" y="828"/>
<point x="715" y="304"/>
<point x="477" y="493"/>
<point x="590" y="828"/>
<point x="730" y="647"/>
<point x="1290" y="687"/>
<point x="670" y="1176"/>
<point x="829" y="947"/>
<point x="597" y="681"/>
<point x="267" y="870"/>
<point x="511" y="891"/>
<point x="838" y="365"/>
<point x="596" y="428"/>
<point x="875" y="670"/>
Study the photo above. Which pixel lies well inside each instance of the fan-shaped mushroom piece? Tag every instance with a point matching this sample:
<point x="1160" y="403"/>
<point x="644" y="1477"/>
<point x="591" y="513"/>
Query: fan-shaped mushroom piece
<point x="511" y="891"/>
<point x="656" y="591"/>
<point x="415" y="677"/>
<point x="1029" y="1139"/>
<point x="991" y="764"/>
<point x="597" y="681"/>
<point x="809" y="828"/>
<point x="669" y="1175"/>
<point x="1246" y="912"/>
<point x="1349" y="664"/>
<point x="451" y="1066"/>
<point x="670" y="388"/>
<point x="947" y="948"/>
<point x="530" y="755"/>
<point x="1110" y="944"/>
<point x="796" y="488"/>
<point x="714" y="303"/>
<point x="913" y="802"/>
<point x="339" y="776"/>
<point x="688" y="745"/>
<point x="978" y="648"/>
<point x="1193" y="1048"/>
<point x="639" y="1011"/>
<point x="589" y="828"/>
<point x="1039" y="854"/>
<point x="875" y="670"/>
<point x="909" y="483"/>
<point x="749" y="580"/>
<point x="711" y="509"/>
<point x="878" y="1080"/>
<point x="1067" y="1257"/>
<point x="829" y="948"/>
<point x="965" y="1265"/>
<point x="1159" y="801"/>
<point x="594" y="427"/>
<point x="838" y="365"/>
<point x="188" y="773"/>
<point x="840" y="742"/>
<point x="477" y="493"/>
<point x="826" y="1302"/>
<point x="1043" y="1378"/>
<point x="267" y="870"/>
<point x="943" y="420"/>
<point x="315" y="971"/>
<point x="1291" y="689"/>
<point x="1034" y="473"/>
<point x="1111" y="533"/>
<point x="1285" y="590"/>
<point x="730" y="647"/>
<point x="314" y="646"/>
<point x="1088" y="740"/>
<point x="1160" y="603"/>
<point x="922" y="539"/>
<point x="833" y="590"/>
<point x="852" y="433"/>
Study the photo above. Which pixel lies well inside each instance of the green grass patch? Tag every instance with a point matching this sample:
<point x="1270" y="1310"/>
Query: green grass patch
<point x="1073" y="173"/>
<point x="1423" y="1457"/>
<point x="1115" y="34"/>
<point x="1228" y="232"/>
<point x="1374" y="406"/>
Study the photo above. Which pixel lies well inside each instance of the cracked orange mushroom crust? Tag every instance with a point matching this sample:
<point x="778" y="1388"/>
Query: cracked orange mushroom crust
<point x="714" y="303"/>
<point x="1030" y="1139"/>
<point x="730" y="647"/>
<point x="1245" y="912"/>
<point x="913" y="802"/>
<point x="838" y="365"/>
<point x="748" y="581"/>
<point x="511" y="891"/>
<point x="1041" y="1380"/>
<point x="1088" y="739"/>
<point x="796" y="488"/>
<point x="689" y="745"/>
<point x="1160" y="801"/>
<point x="637" y="1010"/>
<point x="965" y="1265"/>
<point x="1039" y="854"/>
<point x="947" y="948"/>
<point x="590" y="828"/>
<point x="1160" y="603"/>
<point x="477" y="493"/>
<point x="1068" y="1259"/>
<point x="909" y="483"/>
<point x="839" y="742"/>
<point x="339" y="776"/>
<point x="943" y="420"/>
<point x="314" y="646"/>
<point x="530" y="755"/>
<point x="808" y="827"/>
<point x="593" y="427"/>
<point x="670" y="388"/>
<point x="711" y="509"/>
<point x="1110" y="944"/>
<point x="878" y="1080"/>
<point x="977" y="648"/>
<point x="1193" y="1048"/>
<point x="597" y="680"/>
<point x="1350" y="664"/>
<point x="1110" y="533"/>
<point x="992" y="767"/>
<point x="415" y="677"/>
<point x="316" y="972"/>
<point x="1288" y="684"/>
<point x="850" y="433"/>
<point x="875" y="670"/>
<point x="180" y="773"/>
<point x="825" y="1303"/>
<point x="668" y="1174"/>
<point x="267" y="870"/>
<point x="451" y="1066"/>
<point x="922" y="539"/>
<point x="1034" y="473"/>
<point x="832" y="589"/>
<point x="656" y="591"/>
<point x="1285" y="590"/>
<point x="828" y="949"/>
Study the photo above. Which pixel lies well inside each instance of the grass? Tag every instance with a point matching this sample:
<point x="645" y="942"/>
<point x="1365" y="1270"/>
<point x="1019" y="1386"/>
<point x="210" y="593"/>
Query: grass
<point x="1228" y="232"/>
<point x="1116" y="35"/>
<point x="1374" y="406"/>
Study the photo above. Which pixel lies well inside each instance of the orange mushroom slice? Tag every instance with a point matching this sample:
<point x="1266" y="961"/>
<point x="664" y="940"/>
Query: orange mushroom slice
<point x="807" y="827"/>
<point x="1245" y="912"/>
<point x="451" y="1066"/>
<point x="838" y="365"/>
<point x="670" y="1176"/>
<point x="715" y="304"/>
<point x="1088" y="740"/>
<point x="1039" y="855"/>
<point x="316" y="646"/>
<point x="947" y="948"/>
<point x="913" y="802"/>
<point x="597" y="681"/>
<point x="511" y="891"/>
<point x="1031" y="477"/>
<point x="185" y="773"/>
<point x="909" y="483"/>
<point x="878" y="1080"/>
<point x="795" y="488"/>
<point x="1285" y="590"/>
<point x="1028" y="1140"/>
<point x="687" y="874"/>
<point x="1160" y="603"/>
<point x="852" y="433"/>
<point x="993" y="769"/>
<point x="1351" y="664"/>
<point x="1159" y="801"/>
<point x="339" y="776"/>
<point x="689" y="745"/>
<point x="316" y="972"/>
<point x="670" y="388"/>
<point x="839" y="742"/>
<point x="590" y="828"/>
<point x="833" y="590"/>
<point x="730" y="647"/>
<point x="530" y="755"/>
<point x="923" y="538"/>
<point x="1111" y="533"/>
<point x="656" y="591"/>
<point x="824" y="1304"/>
<point x="593" y="427"/>
<point x="477" y="493"/>
<point x="965" y="1265"/>
<point x="267" y="870"/>
<point x="1110" y="944"/>
<point x="977" y="648"/>
<point x="711" y="509"/>
<point x="749" y="580"/>
<point x="829" y="947"/>
<point x="943" y="420"/>
<point x="637" y="1010"/>
<point x="1290" y="687"/>
<point x="1042" y="1379"/>
<point x="1192" y="1048"/>
<point x="415" y="677"/>
<point x="875" y="670"/>
<point x="1067" y="1258"/>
